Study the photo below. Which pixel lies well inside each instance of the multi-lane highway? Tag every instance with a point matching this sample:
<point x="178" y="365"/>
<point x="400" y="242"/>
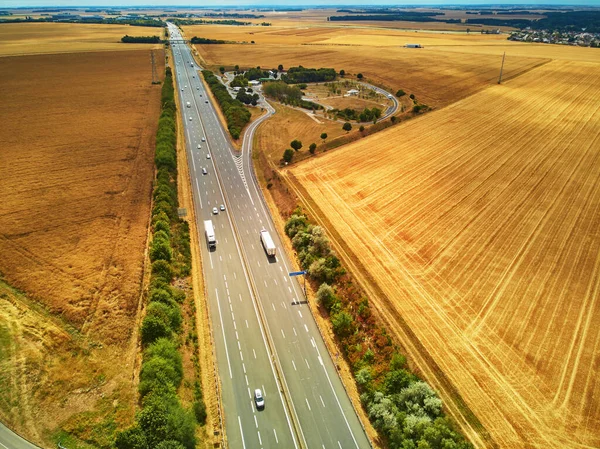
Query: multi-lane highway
<point x="265" y="335"/>
<point x="10" y="440"/>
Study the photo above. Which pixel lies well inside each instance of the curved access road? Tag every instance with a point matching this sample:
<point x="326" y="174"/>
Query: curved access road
<point x="10" y="440"/>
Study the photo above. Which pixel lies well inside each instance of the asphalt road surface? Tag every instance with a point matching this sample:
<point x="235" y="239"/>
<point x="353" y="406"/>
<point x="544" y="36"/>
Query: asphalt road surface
<point x="265" y="335"/>
<point x="10" y="440"/>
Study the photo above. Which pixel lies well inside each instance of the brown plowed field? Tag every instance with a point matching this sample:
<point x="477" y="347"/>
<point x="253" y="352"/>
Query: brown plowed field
<point x="76" y="177"/>
<point x="479" y="223"/>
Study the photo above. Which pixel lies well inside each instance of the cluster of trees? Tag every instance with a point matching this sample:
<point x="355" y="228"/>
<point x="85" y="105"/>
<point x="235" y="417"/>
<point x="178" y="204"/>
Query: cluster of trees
<point x="236" y="114"/>
<point x="256" y="73"/>
<point x="239" y="81"/>
<point x="204" y="40"/>
<point x="409" y="16"/>
<point x="301" y="74"/>
<point x="554" y="21"/>
<point x="405" y="410"/>
<point x="367" y="115"/>
<point x="140" y="39"/>
<point x="287" y="94"/>
<point x="296" y="145"/>
<point x="182" y="22"/>
<point x="162" y="421"/>
<point x="247" y="97"/>
<point x="393" y="11"/>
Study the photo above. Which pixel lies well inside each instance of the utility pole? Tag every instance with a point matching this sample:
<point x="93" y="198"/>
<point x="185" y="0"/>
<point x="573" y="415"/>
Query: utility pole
<point x="501" y="68"/>
<point x="155" y="79"/>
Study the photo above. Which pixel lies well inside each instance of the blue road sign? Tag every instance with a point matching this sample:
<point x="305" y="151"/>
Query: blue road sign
<point x="297" y="273"/>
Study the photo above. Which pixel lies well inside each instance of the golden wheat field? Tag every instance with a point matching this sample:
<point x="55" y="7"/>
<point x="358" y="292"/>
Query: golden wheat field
<point x="435" y="77"/>
<point x="479" y="222"/>
<point x="37" y="38"/>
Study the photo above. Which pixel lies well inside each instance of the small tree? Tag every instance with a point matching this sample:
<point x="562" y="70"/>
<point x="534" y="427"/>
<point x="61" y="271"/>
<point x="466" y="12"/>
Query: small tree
<point x="400" y="93"/>
<point x="280" y="67"/>
<point x="288" y="155"/>
<point x="342" y="73"/>
<point x="347" y="126"/>
<point x="393" y="119"/>
<point x="237" y="68"/>
<point x="296" y="144"/>
<point x="412" y="96"/>
<point x="359" y="76"/>
<point x="222" y="70"/>
<point x="326" y="296"/>
<point x="361" y="129"/>
<point x="343" y="324"/>
<point x="312" y="148"/>
<point x="323" y="136"/>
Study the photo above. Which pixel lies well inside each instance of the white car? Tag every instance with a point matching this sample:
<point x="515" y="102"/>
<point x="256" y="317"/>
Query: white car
<point x="207" y="155"/>
<point x="259" y="400"/>
<point x="182" y="89"/>
<point x="203" y="139"/>
<point x="204" y="172"/>
<point x="215" y="211"/>
<point x="198" y="88"/>
<point x="199" y="147"/>
<point x="222" y="207"/>
<point x="190" y="119"/>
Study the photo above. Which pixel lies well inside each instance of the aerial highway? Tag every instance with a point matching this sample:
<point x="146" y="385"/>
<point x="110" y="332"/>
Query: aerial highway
<point x="264" y="332"/>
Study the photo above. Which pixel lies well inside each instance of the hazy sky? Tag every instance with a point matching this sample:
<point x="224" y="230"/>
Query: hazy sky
<point x="304" y="3"/>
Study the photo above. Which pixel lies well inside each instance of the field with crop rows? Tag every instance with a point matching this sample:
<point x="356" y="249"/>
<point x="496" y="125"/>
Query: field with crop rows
<point x="436" y="77"/>
<point x="479" y="223"/>
<point x="77" y="170"/>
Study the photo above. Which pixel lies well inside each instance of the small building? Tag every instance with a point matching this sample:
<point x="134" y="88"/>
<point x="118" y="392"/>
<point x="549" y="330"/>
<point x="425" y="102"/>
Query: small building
<point x="413" y="46"/>
<point x="352" y="92"/>
<point x="236" y="89"/>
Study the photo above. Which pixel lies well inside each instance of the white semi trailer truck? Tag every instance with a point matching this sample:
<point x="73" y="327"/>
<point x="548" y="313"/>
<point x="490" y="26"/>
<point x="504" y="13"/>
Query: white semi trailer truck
<point x="209" y="232"/>
<point x="267" y="243"/>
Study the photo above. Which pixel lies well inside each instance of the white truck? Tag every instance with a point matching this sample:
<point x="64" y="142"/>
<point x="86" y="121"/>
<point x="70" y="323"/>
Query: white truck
<point x="209" y="232"/>
<point x="188" y="104"/>
<point x="267" y="243"/>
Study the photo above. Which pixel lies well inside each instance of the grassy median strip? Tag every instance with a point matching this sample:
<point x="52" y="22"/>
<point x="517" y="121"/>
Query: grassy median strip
<point x="404" y="409"/>
<point x="163" y="422"/>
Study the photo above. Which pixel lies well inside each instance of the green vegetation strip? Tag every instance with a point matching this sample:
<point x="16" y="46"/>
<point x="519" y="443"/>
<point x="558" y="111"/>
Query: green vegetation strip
<point x="236" y="114"/>
<point x="405" y="410"/>
<point x="163" y="422"/>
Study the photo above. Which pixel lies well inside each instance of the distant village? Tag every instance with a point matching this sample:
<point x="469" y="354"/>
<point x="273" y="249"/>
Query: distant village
<point x="576" y="38"/>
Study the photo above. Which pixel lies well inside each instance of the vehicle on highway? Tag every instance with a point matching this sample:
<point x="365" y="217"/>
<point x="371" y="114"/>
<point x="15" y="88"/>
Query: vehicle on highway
<point x="203" y="139"/>
<point x="199" y="146"/>
<point x="267" y="243"/>
<point x="215" y="211"/>
<point x="259" y="400"/>
<point x="188" y="104"/>
<point x="198" y="88"/>
<point x="190" y="119"/>
<point x="185" y="86"/>
<point x="209" y="233"/>
<point x="207" y="155"/>
<point x="182" y="89"/>
<point x="222" y="207"/>
<point x="204" y="172"/>
<point x="206" y="101"/>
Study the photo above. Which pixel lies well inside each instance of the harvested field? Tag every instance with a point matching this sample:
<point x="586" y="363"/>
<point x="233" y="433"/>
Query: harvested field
<point x="36" y="38"/>
<point x="436" y="77"/>
<point x="273" y="136"/>
<point x="478" y="224"/>
<point x="79" y="171"/>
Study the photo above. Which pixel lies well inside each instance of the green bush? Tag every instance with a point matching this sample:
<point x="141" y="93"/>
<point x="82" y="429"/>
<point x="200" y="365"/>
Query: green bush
<point x="400" y="93"/>
<point x="199" y="412"/>
<point x="131" y="438"/>
<point x="170" y="444"/>
<point x="326" y="296"/>
<point x="160" y="250"/>
<point x="170" y="313"/>
<point x="162" y="226"/>
<point x="236" y="114"/>
<point x="163" y="270"/>
<point x="153" y="328"/>
<point x="343" y="324"/>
